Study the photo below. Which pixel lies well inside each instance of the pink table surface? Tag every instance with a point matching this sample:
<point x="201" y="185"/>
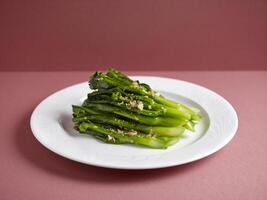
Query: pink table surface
<point x="29" y="171"/>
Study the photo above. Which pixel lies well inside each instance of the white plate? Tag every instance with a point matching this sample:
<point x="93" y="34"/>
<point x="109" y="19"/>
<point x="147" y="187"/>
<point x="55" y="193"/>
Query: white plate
<point x="52" y="126"/>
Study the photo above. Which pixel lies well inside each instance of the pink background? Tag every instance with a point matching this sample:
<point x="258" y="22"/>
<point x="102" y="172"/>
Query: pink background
<point x="133" y="35"/>
<point x="154" y="37"/>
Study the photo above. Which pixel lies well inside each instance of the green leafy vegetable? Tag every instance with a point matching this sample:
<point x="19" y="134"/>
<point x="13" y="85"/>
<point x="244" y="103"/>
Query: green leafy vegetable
<point x="121" y="110"/>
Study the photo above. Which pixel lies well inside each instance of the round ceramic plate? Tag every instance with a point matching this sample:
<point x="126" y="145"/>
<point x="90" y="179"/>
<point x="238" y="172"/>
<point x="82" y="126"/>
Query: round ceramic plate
<point x="51" y="124"/>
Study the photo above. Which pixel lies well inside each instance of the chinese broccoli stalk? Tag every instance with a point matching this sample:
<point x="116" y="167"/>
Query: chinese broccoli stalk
<point x="121" y="110"/>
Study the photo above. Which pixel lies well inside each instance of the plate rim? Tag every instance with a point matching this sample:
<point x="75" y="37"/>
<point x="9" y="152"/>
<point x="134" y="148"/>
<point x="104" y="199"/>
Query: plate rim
<point x="164" y="165"/>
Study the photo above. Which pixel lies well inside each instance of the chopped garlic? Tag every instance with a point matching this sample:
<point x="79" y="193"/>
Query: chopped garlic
<point x="111" y="139"/>
<point x="132" y="132"/>
<point x="137" y="104"/>
<point x="120" y="103"/>
<point x="120" y="131"/>
<point x="140" y="105"/>
<point x="133" y="103"/>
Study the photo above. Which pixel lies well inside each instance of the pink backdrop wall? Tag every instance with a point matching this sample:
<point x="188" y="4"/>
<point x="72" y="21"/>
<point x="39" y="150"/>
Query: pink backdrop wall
<point x="133" y="35"/>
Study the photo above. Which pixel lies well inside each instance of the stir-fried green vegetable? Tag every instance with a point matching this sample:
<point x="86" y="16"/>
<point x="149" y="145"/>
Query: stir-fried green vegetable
<point x="121" y="110"/>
